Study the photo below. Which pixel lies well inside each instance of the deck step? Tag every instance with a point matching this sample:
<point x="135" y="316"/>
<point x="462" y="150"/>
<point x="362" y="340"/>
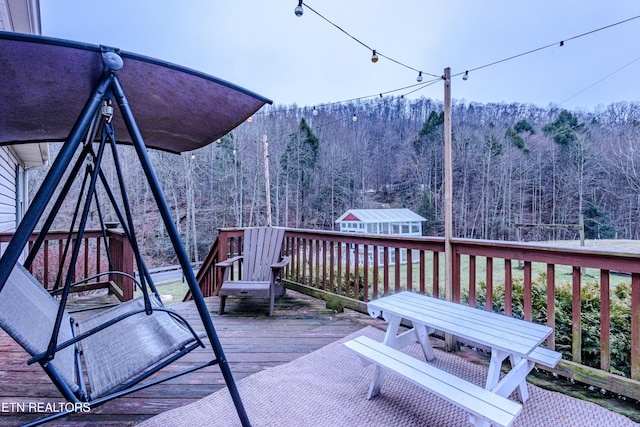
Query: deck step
<point x="481" y="403"/>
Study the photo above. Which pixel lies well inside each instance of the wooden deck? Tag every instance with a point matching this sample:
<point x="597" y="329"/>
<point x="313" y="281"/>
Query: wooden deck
<point x="251" y="340"/>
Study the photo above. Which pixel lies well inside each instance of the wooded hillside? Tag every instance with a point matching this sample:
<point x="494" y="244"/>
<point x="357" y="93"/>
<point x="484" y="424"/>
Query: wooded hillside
<point x="512" y="163"/>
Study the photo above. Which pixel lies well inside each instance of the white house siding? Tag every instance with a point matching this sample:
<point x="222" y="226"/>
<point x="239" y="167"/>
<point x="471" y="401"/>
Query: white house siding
<point x="7" y="190"/>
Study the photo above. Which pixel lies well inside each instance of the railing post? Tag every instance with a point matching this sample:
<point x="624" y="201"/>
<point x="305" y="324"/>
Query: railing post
<point x="223" y="255"/>
<point x="122" y="258"/>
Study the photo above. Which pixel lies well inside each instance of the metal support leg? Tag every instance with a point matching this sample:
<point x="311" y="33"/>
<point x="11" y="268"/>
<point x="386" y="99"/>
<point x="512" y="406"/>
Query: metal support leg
<point x="181" y="253"/>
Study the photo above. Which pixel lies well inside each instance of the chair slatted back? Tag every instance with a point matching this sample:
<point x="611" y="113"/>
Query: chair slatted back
<point x="262" y="248"/>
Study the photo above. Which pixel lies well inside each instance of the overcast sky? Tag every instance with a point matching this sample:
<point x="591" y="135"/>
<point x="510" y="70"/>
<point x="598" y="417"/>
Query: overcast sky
<point x="262" y="46"/>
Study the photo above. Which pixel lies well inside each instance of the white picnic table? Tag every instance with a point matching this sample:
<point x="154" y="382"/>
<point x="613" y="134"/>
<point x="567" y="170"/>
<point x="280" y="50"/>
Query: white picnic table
<point x="506" y="337"/>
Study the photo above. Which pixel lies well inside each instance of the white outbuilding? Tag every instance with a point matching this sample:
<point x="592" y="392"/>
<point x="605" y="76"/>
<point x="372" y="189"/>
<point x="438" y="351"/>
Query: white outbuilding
<point x="401" y="222"/>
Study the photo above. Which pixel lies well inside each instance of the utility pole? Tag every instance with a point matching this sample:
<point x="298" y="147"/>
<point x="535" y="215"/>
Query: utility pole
<point x="450" y="342"/>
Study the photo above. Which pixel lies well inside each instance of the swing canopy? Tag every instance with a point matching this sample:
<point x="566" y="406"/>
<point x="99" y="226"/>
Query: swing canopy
<point x="57" y="90"/>
<point x="46" y="82"/>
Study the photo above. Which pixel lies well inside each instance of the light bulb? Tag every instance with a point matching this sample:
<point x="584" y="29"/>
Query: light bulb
<point x="354" y="118"/>
<point x="419" y="78"/>
<point x="250" y="119"/>
<point x="193" y="157"/>
<point x="298" y="10"/>
<point x="315" y="112"/>
<point x="466" y="76"/>
<point x="374" y="57"/>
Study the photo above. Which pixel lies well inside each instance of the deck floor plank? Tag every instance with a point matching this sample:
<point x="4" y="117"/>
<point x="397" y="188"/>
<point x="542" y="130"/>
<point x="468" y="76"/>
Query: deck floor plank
<point x="251" y="340"/>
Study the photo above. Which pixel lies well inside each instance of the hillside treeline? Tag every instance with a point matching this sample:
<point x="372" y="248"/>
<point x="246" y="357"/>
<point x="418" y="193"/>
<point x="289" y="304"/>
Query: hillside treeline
<point x="512" y="164"/>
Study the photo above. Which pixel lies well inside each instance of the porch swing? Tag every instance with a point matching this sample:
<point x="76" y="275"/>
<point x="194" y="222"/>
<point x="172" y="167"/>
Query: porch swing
<point x="151" y="335"/>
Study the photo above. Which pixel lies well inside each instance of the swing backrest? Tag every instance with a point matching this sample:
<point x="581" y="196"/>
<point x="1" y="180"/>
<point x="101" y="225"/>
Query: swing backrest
<point x="28" y="314"/>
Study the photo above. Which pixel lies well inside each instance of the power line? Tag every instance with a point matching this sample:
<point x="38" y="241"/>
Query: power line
<point x="602" y="79"/>
<point x="419" y="86"/>
<point x="558" y="43"/>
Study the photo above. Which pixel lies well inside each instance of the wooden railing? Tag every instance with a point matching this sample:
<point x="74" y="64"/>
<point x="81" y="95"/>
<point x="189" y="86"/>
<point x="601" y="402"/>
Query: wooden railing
<point x="92" y="260"/>
<point x="354" y="268"/>
<point x="227" y="244"/>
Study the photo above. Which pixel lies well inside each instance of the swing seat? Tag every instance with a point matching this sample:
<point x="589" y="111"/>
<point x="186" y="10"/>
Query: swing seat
<point x="117" y="345"/>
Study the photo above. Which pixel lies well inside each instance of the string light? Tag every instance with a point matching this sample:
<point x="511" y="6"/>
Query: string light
<point x="419" y="78"/>
<point x="376" y="54"/>
<point x="315" y="112"/>
<point x="298" y="10"/>
<point x="466" y="75"/>
<point x="354" y="118"/>
<point x="419" y="86"/>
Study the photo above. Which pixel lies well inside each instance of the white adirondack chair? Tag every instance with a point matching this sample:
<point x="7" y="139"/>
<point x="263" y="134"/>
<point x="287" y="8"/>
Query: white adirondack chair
<point x="262" y="265"/>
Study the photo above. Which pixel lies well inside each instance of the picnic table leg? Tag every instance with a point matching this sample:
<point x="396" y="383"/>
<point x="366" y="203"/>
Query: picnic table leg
<point x="493" y="376"/>
<point x="523" y="392"/>
<point x="516" y="379"/>
<point x="378" y="372"/>
<point x="423" y="333"/>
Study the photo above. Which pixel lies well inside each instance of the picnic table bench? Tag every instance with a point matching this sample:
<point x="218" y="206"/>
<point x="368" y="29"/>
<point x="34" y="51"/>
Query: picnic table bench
<point x="507" y="337"/>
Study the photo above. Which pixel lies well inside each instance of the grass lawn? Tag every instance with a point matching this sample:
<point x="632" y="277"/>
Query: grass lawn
<point x="171" y="291"/>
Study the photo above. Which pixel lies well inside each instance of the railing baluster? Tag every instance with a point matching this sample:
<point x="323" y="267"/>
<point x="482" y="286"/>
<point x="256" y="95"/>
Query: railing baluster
<point x="528" y="298"/>
<point x="489" y="285"/>
<point x="396" y="270"/>
<point x="436" y="274"/>
<point x="551" y="305"/>
<point x="45" y="280"/>
<point x="365" y="273"/>
<point x="409" y="268"/>
<point x="423" y="268"/>
<point x="605" y="324"/>
<point x="356" y="271"/>
<point x="386" y="270"/>
<point x="85" y="242"/>
<point x="576" y="311"/>
<point x="332" y="264"/>
<point x="376" y="268"/>
<point x="635" y="326"/>
<point x="298" y="256"/>
<point x="317" y="269"/>
<point x="324" y="265"/>
<point x="347" y="268"/>
<point x="472" y="280"/>
<point x="339" y="260"/>
<point x="508" y="288"/>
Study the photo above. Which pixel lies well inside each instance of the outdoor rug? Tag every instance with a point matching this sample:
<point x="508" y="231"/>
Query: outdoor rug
<point x="328" y="388"/>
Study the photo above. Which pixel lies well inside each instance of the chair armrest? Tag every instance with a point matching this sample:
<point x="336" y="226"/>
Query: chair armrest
<point x="283" y="262"/>
<point x="228" y="262"/>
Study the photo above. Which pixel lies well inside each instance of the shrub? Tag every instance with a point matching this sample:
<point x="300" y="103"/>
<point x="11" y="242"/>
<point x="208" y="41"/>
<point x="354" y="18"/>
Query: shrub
<point x="620" y="318"/>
